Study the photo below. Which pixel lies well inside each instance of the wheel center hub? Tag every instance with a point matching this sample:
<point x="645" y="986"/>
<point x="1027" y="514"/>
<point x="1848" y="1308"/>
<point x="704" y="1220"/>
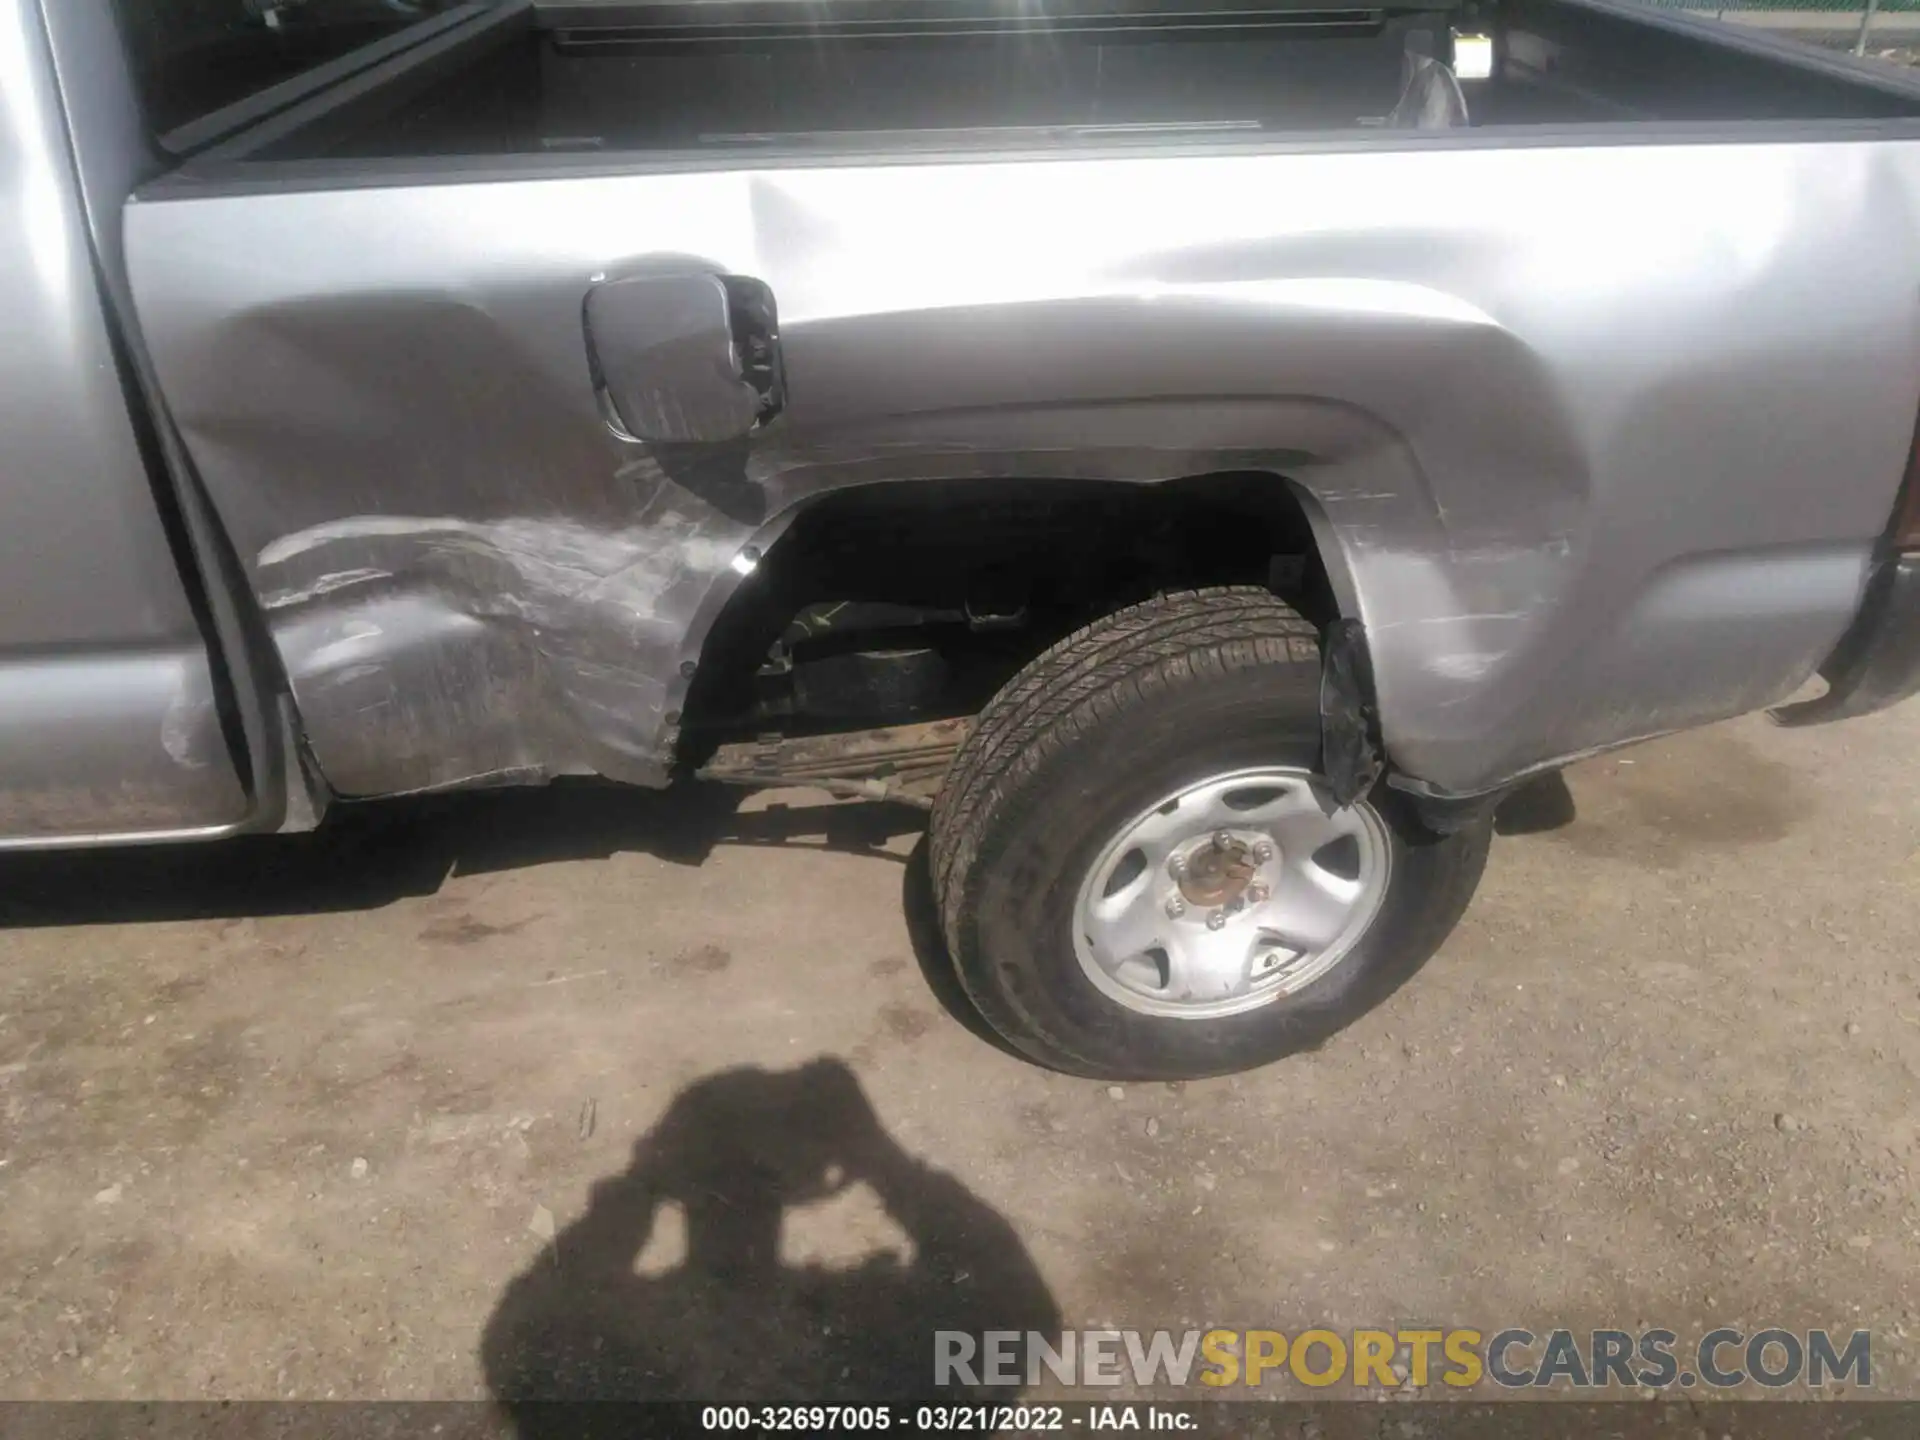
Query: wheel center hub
<point x="1217" y="871"/>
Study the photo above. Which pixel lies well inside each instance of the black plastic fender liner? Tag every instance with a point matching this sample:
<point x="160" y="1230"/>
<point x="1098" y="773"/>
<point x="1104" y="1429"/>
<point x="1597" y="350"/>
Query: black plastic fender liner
<point x="1351" y="755"/>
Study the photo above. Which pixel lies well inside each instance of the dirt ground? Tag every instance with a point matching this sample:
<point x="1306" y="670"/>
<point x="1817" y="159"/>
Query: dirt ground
<point x="301" y="1117"/>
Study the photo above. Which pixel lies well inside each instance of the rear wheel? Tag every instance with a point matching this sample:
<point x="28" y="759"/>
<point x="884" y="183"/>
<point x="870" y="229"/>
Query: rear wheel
<point x="1140" y="873"/>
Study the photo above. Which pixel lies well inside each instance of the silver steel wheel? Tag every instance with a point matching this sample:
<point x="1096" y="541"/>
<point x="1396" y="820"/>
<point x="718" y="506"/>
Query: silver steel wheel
<point x="1230" y="894"/>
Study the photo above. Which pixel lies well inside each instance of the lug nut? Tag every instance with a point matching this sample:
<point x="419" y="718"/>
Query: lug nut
<point x="1176" y="907"/>
<point x="1257" y="894"/>
<point x="1263" y="851"/>
<point x="1217" y="920"/>
<point x="1177" y="866"/>
<point x="1222" y="840"/>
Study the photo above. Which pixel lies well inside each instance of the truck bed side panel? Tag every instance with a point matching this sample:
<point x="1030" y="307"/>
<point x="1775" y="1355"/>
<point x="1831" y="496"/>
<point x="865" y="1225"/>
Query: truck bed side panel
<point x="1603" y="433"/>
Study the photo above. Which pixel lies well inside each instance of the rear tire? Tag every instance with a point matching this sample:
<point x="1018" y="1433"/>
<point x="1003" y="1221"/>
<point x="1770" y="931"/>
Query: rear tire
<point x="1192" y="710"/>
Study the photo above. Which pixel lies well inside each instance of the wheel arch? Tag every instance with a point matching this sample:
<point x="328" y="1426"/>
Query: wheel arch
<point x="1296" y="491"/>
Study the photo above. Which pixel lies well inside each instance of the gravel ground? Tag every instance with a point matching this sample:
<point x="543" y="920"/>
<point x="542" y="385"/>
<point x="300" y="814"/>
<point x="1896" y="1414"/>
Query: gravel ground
<point x="302" y="1117"/>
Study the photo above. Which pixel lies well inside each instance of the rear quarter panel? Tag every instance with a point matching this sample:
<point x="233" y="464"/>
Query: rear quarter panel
<point x="1599" y="436"/>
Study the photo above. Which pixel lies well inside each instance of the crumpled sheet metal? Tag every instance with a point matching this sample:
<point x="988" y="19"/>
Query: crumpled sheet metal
<point x="1555" y="411"/>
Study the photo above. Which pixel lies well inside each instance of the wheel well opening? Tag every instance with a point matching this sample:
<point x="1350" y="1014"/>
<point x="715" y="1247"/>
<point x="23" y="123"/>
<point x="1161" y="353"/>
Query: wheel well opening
<point x="916" y="600"/>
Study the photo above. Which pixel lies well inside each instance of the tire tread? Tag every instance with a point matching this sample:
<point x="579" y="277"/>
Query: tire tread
<point x="1086" y="681"/>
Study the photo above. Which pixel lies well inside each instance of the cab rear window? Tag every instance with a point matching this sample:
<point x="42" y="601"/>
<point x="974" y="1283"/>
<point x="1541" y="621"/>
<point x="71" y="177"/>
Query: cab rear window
<point x="195" y="57"/>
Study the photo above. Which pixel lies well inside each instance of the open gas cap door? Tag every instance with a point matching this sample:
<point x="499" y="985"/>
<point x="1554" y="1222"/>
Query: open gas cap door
<point x="685" y="358"/>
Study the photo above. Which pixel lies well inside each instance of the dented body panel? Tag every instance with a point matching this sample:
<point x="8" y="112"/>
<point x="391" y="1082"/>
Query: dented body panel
<point x="1599" y="437"/>
<point x="376" y="475"/>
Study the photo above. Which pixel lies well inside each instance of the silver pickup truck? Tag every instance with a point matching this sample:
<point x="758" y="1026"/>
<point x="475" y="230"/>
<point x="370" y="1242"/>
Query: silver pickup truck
<point x="1206" y="453"/>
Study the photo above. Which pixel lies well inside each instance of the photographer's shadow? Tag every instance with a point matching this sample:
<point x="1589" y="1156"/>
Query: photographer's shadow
<point x="732" y="1321"/>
